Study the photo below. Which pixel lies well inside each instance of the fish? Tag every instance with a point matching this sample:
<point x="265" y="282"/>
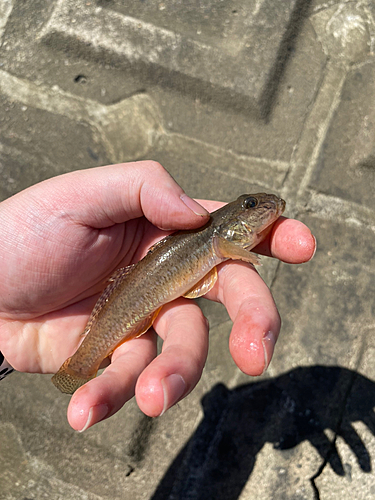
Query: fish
<point x="181" y="264"/>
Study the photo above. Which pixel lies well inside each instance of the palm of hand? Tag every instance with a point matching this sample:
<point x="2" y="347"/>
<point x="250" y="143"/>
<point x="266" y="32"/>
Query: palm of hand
<point x="52" y="290"/>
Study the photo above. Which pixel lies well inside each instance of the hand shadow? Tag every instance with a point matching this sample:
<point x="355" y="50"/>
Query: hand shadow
<point x="297" y="406"/>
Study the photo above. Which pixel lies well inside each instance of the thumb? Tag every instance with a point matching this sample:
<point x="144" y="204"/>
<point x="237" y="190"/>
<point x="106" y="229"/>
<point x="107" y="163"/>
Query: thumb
<point x="104" y="196"/>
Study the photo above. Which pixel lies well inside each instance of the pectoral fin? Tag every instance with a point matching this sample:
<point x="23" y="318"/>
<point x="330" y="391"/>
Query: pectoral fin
<point x="203" y="286"/>
<point x="229" y="250"/>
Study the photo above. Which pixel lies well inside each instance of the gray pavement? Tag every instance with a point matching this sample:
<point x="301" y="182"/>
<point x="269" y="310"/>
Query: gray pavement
<point x="231" y="97"/>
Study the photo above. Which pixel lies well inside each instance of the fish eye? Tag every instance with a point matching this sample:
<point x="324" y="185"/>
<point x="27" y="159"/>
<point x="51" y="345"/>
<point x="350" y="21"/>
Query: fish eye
<point x="250" y="202"/>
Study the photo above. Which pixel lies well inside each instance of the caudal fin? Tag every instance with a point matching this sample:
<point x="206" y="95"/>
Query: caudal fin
<point x="67" y="381"/>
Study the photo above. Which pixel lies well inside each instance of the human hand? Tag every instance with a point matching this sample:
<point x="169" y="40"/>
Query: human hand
<point x="61" y="239"/>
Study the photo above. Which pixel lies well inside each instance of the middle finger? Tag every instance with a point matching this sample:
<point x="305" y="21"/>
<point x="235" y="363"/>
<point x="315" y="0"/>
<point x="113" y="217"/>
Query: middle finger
<point x="253" y="311"/>
<point x="176" y="371"/>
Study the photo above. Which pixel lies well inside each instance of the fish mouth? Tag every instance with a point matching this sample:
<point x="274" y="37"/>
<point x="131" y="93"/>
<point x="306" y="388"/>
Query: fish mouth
<point x="278" y="208"/>
<point x="281" y="206"/>
<point x="275" y="204"/>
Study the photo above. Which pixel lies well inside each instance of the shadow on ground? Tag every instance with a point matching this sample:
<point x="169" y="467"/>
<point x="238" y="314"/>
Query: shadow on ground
<point x="297" y="406"/>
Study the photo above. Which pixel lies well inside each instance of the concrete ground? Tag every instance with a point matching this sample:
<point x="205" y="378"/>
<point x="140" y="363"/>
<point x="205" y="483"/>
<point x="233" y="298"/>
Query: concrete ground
<point x="230" y="96"/>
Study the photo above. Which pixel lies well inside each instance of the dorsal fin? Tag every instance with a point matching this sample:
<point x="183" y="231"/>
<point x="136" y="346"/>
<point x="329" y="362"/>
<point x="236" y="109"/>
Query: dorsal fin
<point x="113" y="281"/>
<point x="158" y="243"/>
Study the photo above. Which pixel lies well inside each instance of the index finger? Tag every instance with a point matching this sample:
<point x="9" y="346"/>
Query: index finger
<point x="290" y="241"/>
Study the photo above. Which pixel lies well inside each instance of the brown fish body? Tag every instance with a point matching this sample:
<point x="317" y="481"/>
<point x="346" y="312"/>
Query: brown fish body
<point x="133" y="296"/>
<point x="183" y="264"/>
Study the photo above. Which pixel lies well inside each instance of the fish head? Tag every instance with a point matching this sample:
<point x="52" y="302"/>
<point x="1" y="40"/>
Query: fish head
<point x="245" y="220"/>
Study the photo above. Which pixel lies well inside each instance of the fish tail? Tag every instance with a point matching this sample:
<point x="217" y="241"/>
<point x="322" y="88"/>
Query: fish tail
<point x="67" y="380"/>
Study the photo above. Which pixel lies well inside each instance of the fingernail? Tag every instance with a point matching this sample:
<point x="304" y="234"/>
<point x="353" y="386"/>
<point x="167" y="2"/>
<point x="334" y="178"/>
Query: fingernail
<point x="173" y="388"/>
<point x="96" y="414"/>
<point x="268" y="341"/>
<point x="193" y="205"/>
<point x="314" y="249"/>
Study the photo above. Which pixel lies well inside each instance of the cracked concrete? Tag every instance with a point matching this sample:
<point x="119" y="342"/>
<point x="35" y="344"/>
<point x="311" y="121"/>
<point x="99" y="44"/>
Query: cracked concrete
<point x="230" y="97"/>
